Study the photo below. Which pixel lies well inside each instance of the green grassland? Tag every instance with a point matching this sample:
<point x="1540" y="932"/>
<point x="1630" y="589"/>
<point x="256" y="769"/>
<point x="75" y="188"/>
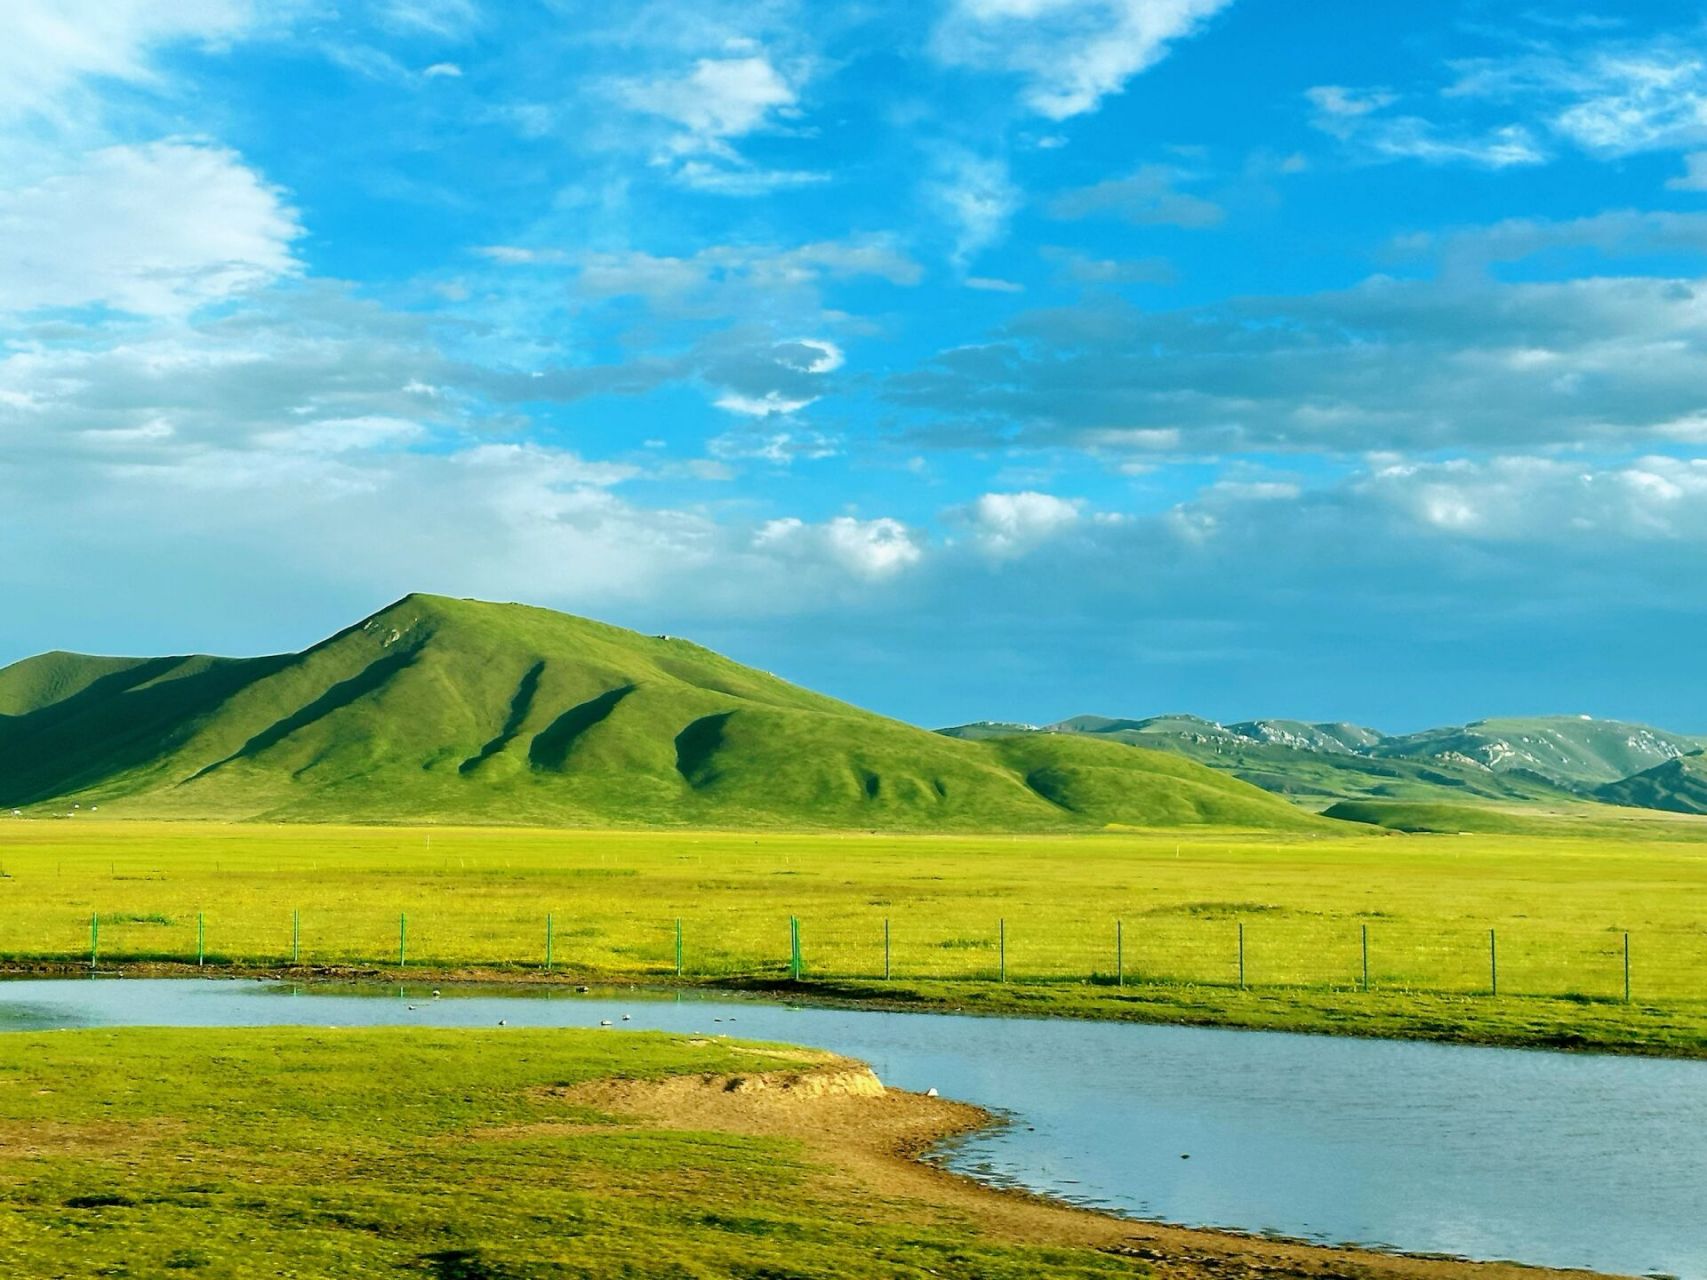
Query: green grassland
<point x="231" y="1154"/>
<point x="477" y="902"/>
<point x="458" y="710"/>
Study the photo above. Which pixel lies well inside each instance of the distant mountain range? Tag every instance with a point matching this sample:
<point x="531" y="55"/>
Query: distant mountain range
<point x="456" y="710"/>
<point x="1537" y="759"/>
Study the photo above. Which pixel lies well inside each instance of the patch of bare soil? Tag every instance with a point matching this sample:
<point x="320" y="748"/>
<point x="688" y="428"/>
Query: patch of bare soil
<point x="847" y="1120"/>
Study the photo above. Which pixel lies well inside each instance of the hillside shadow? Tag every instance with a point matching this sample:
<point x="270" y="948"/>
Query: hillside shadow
<point x="118" y="723"/>
<point x="520" y="705"/>
<point x="550" y="747"/>
<point x="697" y="744"/>
<point x="369" y="679"/>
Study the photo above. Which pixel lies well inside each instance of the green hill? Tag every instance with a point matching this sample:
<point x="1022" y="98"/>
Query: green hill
<point x="1679" y="786"/>
<point x="439" y="709"/>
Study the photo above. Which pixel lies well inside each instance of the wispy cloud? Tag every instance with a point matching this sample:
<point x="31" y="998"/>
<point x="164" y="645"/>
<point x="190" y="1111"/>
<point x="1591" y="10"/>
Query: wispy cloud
<point x="976" y="196"/>
<point x="1069" y="54"/>
<point x="1359" y="118"/>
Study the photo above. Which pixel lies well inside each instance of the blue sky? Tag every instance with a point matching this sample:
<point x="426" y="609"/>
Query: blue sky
<point x="962" y="358"/>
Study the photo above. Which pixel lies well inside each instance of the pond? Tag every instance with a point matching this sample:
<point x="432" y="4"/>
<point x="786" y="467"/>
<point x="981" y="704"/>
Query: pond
<point x="1554" y="1159"/>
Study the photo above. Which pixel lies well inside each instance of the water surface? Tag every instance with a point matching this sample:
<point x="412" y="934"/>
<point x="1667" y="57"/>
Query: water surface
<point x="1556" y="1159"/>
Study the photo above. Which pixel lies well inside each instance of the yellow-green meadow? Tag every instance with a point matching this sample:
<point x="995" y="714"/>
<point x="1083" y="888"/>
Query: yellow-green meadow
<point x="1122" y="925"/>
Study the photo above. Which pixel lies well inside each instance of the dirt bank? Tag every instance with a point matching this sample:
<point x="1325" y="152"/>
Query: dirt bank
<point x="846" y="1120"/>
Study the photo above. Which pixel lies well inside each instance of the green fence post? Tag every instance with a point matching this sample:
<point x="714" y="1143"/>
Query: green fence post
<point x="1119" y="953"/>
<point x="1626" y="968"/>
<point x="794" y="962"/>
<point x="296" y="937"/>
<point x="1493" y="964"/>
<point x="678" y="946"/>
<point x="1002" y="949"/>
<point x="548" y="940"/>
<point x="1366" y="959"/>
<point x="886" y="969"/>
<point x="201" y="940"/>
<point x="402" y="939"/>
<point x="1241" y="955"/>
<point x="94" y="938"/>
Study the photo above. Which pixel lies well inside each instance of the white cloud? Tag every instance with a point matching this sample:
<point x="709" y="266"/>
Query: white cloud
<point x="713" y="104"/>
<point x="1616" y="98"/>
<point x="344" y="435"/>
<point x="719" y="98"/>
<point x="1070" y="53"/>
<point x="734" y="177"/>
<point x="444" y="70"/>
<point x="868" y="549"/>
<point x="52" y="46"/>
<point x="976" y="197"/>
<point x="1337" y="102"/>
<point x="156" y="229"/>
<point x="1356" y="117"/>
<point x="993" y="284"/>
<point x="1546" y="500"/>
<point x="1005" y="525"/>
<point x="767" y="405"/>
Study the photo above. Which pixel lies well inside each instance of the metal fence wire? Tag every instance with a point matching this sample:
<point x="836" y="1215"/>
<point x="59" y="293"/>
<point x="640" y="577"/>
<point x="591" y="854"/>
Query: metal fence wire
<point x="1531" y="959"/>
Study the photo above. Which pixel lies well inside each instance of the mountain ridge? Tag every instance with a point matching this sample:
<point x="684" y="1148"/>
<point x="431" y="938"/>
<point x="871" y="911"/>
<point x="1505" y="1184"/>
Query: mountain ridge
<point x="1519" y="759"/>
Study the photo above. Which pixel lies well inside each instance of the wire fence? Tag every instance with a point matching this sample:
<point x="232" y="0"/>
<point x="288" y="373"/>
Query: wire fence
<point x="1523" y="959"/>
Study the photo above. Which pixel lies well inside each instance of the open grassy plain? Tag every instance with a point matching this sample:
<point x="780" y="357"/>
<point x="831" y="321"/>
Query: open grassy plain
<point x="957" y="910"/>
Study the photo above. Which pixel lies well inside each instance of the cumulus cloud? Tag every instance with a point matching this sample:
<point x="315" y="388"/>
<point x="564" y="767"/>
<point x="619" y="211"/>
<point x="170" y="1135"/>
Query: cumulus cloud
<point x="1004" y="525"/>
<point x="868" y="549"/>
<point x="156" y="229"/>
<point x="1547" y="500"/>
<point x="1069" y="54"/>
<point x="718" y="98"/>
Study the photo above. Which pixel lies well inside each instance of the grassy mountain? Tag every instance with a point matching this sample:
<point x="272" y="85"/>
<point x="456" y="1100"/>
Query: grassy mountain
<point x="1679" y="786"/>
<point x="459" y="710"/>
